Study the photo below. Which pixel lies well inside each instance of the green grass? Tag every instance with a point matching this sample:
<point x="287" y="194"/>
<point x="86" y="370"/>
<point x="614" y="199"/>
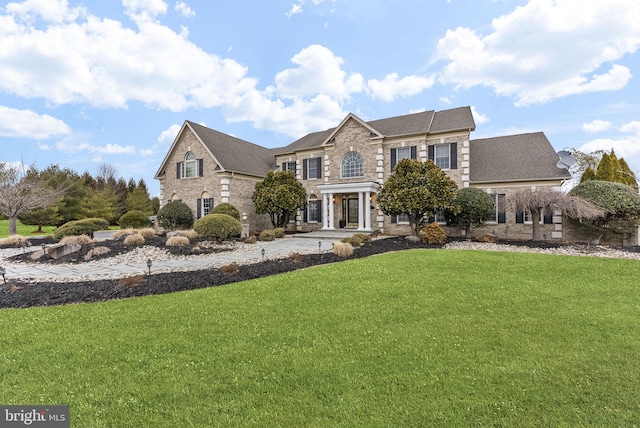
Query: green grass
<point x="24" y="230"/>
<point x="415" y="338"/>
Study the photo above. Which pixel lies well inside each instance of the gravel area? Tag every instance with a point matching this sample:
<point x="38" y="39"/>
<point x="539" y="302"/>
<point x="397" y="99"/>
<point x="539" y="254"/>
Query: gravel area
<point x="59" y="291"/>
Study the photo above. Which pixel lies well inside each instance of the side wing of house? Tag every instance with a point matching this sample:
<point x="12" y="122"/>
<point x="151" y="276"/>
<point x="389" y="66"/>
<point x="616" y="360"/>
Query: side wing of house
<point x="502" y="166"/>
<point x="204" y="168"/>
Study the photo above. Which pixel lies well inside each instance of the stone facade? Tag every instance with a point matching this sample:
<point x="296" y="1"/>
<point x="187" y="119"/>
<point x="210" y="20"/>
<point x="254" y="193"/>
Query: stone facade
<point x="349" y="198"/>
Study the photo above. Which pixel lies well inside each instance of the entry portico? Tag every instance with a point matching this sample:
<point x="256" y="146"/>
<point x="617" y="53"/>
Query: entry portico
<point x="364" y="190"/>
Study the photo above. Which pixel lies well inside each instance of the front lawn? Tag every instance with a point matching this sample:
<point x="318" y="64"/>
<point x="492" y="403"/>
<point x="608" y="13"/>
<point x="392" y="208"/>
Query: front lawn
<point x="413" y="338"/>
<point x="24" y="230"/>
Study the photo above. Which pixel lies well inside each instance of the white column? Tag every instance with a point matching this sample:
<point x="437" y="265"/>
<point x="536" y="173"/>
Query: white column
<point x="324" y="211"/>
<point x="331" y="212"/>
<point x="367" y="211"/>
<point x="360" y="211"/>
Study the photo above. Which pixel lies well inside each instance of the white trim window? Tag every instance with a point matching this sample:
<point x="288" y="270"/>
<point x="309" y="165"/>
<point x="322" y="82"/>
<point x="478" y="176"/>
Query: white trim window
<point x="352" y="165"/>
<point x="190" y="166"/>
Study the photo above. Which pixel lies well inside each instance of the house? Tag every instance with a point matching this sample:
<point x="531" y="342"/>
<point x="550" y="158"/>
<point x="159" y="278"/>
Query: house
<point x="342" y="169"/>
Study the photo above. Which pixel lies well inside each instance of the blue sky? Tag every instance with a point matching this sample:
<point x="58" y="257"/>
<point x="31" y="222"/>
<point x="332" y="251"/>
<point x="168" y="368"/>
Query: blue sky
<point x="84" y="83"/>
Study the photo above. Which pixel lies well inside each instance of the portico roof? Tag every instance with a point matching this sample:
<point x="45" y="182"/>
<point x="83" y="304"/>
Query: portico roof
<point x="367" y="186"/>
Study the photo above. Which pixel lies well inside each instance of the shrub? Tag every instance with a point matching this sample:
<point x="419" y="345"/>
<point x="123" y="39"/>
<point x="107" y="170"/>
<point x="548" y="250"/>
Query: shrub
<point x="251" y="239"/>
<point x="147" y="232"/>
<point x="117" y="234"/>
<point x="219" y="226"/>
<point x="81" y="227"/>
<point x="79" y="239"/>
<point x="267" y="235"/>
<point x="226" y="208"/>
<point x="131" y="281"/>
<point x="16" y="240"/>
<point x="134" y="239"/>
<point x="295" y="257"/>
<point x="188" y="233"/>
<point x="175" y="215"/>
<point x="134" y="219"/>
<point x="354" y="240"/>
<point x="177" y="241"/>
<point x="433" y="234"/>
<point x="278" y="232"/>
<point x="342" y="249"/>
<point x="230" y="268"/>
<point x="364" y="238"/>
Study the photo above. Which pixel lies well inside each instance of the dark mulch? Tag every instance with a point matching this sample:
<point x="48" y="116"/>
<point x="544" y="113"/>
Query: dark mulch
<point x="19" y="294"/>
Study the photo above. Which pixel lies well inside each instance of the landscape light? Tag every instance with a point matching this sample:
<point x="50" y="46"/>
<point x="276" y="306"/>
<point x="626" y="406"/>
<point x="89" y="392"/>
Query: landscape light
<point x="319" y="246"/>
<point x="244" y="217"/>
<point x="149" y="263"/>
<point x="44" y="248"/>
<point x="2" y="272"/>
<point x="262" y="254"/>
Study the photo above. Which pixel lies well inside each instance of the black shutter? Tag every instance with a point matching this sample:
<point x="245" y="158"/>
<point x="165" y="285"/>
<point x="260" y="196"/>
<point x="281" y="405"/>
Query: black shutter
<point x="304" y="168"/>
<point x="519" y="216"/>
<point x="284" y="166"/>
<point x="178" y="170"/>
<point x="319" y="167"/>
<point x="431" y="220"/>
<point x="431" y="153"/>
<point x="319" y="210"/>
<point x="394" y="219"/>
<point x="393" y="159"/>
<point x="454" y="155"/>
<point x="305" y="218"/>
<point x="548" y="218"/>
<point x="200" y="167"/>
<point x="198" y="208"/>
<point x="414" y="152"/>
<point x="502" y="215"/>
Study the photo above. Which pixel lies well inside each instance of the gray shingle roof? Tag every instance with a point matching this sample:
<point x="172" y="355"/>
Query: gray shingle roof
<point x="426" y="122"/>
<point x="235" y="154"/>
<point x="525" y="157"/>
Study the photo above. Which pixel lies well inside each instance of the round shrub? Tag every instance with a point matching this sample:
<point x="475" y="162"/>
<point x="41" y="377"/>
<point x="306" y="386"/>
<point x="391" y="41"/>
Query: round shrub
<point x="86" y="226"/>
<point x="117" y="234"/>
<point x="267" y="235"/>
<point x="342" y="249"/>
<point x="433" y="234"/>
<point x="147" y="232"/>
<point x="175" y="215"/>
<point x="77" y="239"/>
<point x="226" y="208"/>
<point x="134" y="239"/>
<point x="251" y="239"/>
<point x="134" y="219"/>
<point x="279" y="232"/>
<point x="218" y="226"/>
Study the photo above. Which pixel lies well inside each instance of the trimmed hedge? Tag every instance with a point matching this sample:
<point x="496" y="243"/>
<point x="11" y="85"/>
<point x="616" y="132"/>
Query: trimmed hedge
<point x="86" y="226"/>
<point x="218" y="226"/>
<point x="226" y="208"/>
<point x="134" y="219"/>
<point x="175" y="215"/>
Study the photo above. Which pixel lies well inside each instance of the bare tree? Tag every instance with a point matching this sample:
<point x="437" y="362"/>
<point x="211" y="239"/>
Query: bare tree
<point x="23" y="189"/>
<point x="538" y="201"/>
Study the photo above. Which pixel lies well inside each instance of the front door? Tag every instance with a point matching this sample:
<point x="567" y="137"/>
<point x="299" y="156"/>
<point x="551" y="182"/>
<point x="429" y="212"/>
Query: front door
<point x="352" y="212"/>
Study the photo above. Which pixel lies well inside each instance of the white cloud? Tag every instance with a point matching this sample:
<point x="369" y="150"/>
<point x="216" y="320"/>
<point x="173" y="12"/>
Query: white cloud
<point x="183" y="9"/>
<point x="144" y="10"/>
<point x="516" y="60"/>
<point x="56" y="11"/>
<point x="445" y="100"/>
<point x="167" y="136"/>
<point x="72" y="145"/>
<point x="295" y="9"/>
<point x="319" y="71"/>
<point x="626" y="146"/>
<point x="392" y="86"/>
<point x="28" y="124"/>
<point x="478" y="117"/>
<point x="597" y="126"/>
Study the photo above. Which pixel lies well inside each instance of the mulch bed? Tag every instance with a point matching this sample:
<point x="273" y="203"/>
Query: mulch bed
<point x="19" y="294"/>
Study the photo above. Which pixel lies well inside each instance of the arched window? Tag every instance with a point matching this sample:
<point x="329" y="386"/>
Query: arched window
<point x="190" y="165"/>
<point x="352" y="165"/>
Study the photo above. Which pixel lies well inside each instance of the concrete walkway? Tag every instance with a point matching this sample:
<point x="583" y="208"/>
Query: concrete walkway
<point x="112" y="269"/>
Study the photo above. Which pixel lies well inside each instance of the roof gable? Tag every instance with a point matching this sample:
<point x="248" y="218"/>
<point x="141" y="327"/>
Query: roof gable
<point x="524" y="157"/>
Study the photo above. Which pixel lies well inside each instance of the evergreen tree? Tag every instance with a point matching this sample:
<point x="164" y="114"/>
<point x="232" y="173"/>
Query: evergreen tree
<point x="280" y="195"/>
<point x="588" y="174"/>
<point x="628" y="177"/>
<point x="101" y="204"/>
<point x="606" y="170"/>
